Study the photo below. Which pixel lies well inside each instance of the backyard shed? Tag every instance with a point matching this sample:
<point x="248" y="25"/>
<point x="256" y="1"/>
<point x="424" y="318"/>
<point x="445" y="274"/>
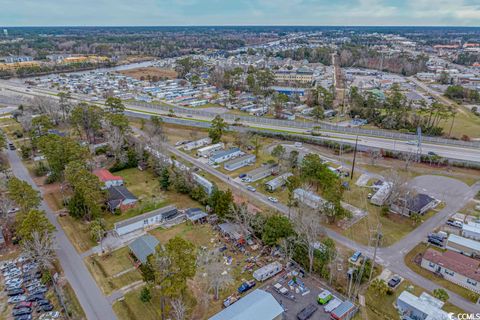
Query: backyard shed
<point x="344" y="311"/>
<point x="143" y="246"/>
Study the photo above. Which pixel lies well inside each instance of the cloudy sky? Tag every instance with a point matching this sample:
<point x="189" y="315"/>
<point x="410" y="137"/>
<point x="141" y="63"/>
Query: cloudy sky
<point x="239" y="12"/>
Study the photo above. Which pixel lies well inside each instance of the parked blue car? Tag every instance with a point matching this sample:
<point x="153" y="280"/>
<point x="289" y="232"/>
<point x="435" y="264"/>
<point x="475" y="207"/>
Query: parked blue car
<point x="244" y="287"/>
<point x="355" y="256"/>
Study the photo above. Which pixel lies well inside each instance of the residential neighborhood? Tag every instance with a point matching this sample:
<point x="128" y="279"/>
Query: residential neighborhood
<point x="240" y="172"/>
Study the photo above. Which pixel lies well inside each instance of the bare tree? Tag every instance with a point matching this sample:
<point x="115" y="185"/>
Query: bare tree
<point x="217" y="275"/>
<point x="41" y="248"/>
<point x="374" y="155"/>
<point x="398" y="185"/>
<point x="116" y="141"/>
<point x="47" y="106"/>
<point x="5" y="204"/>
<point x="179" y="309"/>
<point x="309" y="230"/>
<point x="408" y="157"/>
<point x="288" y="246"/>
<point x="243" y="218"/>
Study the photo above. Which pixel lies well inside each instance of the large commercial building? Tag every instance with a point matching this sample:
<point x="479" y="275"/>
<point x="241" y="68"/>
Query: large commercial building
<point x="301" y="75"/>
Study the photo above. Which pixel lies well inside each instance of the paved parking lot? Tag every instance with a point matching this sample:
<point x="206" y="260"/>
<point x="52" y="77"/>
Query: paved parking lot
<point x="300" y="300"/>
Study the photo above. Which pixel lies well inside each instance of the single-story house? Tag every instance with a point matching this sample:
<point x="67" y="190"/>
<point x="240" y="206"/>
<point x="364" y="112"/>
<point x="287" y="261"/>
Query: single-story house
<point x="233" y="232"/>
<point x="278" y="182"/>
<point x="240" y="162"/>
<point x="424" y="307"/>
<point x="454" y="267"/>
<point x="143" y="246"/>
<point x="108" y="178"/>
<point x="463" y="245"/>
<point x="258" y="304"/>
<point x="262" y="172"/>
<point x="196" y="215"/>
<point x="471" y="230"/>
<point x="145" y="221"/>
<point x="224" y="155"/>
<point x="120" y="198"/>
<point x="419" y="204"/>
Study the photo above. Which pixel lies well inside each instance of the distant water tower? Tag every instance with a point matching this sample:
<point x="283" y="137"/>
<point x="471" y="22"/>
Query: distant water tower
<point x="5" y="32"/>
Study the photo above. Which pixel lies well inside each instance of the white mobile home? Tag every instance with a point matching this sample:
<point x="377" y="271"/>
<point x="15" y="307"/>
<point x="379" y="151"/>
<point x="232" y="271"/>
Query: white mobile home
<point x="278" y="182"/>
<point x="260" y="173"/>
<point x="471" y="230"/>
<point x="145" y="221"/>
<point x="308" y="198"/>
<point x="197" y="144"/>
<point x="463" y="245"/>
<point x="203" y="182"/>
<point x="224" y="155"/>
<point x="382" y="194"/>
<point x="240" y="162"/>
<point x="267" y="271"/>
<point x="208" y="150"/>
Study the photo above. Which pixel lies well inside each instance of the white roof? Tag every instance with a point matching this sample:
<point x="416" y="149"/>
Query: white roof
<point x="258" y="304"/>
<point x="472" y="227"/>
<point x="472" y="244"/>
<point x="424" y="304"/>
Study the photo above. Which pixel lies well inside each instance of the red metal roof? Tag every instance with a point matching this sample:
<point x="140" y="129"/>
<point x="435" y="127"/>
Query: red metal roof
<point x="105" y="175"/>
<point x="455" y="262"/>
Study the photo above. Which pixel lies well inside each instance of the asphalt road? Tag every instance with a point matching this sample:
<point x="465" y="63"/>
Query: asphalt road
<point x="92" y="300"/>
<point x="391" y="257"/>
<point x="460" y="153"/>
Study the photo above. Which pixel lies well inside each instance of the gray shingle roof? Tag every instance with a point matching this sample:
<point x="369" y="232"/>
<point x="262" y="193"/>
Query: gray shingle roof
<point x="143" y="246"/>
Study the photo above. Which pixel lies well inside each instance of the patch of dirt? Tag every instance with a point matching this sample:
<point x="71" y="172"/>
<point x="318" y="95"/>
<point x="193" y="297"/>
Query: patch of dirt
<point x="150" y="73"/>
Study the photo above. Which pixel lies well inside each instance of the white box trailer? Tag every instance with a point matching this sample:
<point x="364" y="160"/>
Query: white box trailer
<point x="267" y="271"/>
<point x="332" y="305"/>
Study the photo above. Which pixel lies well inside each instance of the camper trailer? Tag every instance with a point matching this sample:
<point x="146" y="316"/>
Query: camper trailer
<point x="267" y="271"/>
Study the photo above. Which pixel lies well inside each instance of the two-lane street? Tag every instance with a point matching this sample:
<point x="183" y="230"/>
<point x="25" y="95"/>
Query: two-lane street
<point x="92" y="300"/>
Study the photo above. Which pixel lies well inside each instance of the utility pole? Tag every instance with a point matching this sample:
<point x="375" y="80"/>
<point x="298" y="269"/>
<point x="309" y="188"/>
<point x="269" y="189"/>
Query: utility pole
<point x="354" y="158"/>
<point x="378" y="237"/>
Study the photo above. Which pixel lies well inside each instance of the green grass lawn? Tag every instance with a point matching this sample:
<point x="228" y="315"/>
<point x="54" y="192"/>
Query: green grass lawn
<point x="78" y="232"/>
<point x="105" y="268"/>
<point x="200" y="235"/>
<point x="132" y="308"/>
<point x="146" y="187"/>
<point x="465" y="123"/>
<point x="467" y="294"/>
